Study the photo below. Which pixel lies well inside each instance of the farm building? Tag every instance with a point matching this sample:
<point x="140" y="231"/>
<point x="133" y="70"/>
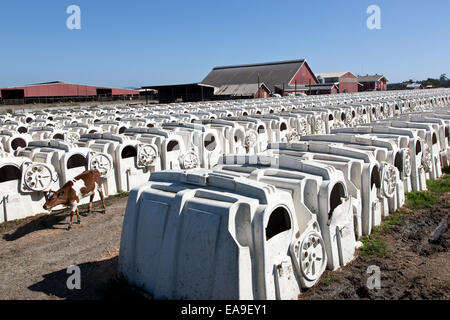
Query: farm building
<point x="346" y="82"/>
<point x="372" y="83"/>
<point x="61" y="92"/>
<point x="280" y="74"/>
<point x="189" y="92"/>
<point x="414" y="86"/>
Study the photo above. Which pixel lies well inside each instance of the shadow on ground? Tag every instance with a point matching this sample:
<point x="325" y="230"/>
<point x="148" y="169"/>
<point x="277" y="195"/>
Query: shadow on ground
<point x="98" y="282"/>
<point x="94" y="276"/>
<point x="58" y="220"/>
<point x="53" y="221"/>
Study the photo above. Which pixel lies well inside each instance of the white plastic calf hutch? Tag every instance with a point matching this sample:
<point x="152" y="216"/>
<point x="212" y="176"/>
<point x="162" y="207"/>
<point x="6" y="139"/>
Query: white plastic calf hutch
<point x="385" y="151"/>
<point x="407" y="139"/>
<point x="12" y="141"/>
<point x="234" y="138"/>
<point x="204" y="141"/>
<point x="22" y="186"/>
<point x="253" y="126"/>
<point x="133" y="161"/>
<point x="318" y="189"/>
<point x="351" y="169"/>
<point x="372" y="207"/>
<point x="14" y="126"/>
<point x="201" y="235"/>
<point x="173" y="153"/>
<point x="69" y="161"/>
<point x="431" y="151"/>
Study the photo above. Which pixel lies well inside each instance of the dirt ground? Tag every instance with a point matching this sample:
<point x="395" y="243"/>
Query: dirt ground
<point x="36" y="252"/>
<point x="414" y="267"/>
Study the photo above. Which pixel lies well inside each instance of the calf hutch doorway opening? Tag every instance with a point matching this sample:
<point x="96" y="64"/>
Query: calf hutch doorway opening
<point x="18" y="143"/>
<point x="279" y="222"/>
<point x="210" y="142"/>
<point x="398" y="162"/>
<point x="76" y="161"/>
<point x="22" y="130"/>
<point x="434" y="139"/>
<point x="58" y="136"/>
<point x="418" y="148"/>
<point x="261" y="129"/>
<point x="9" y="173"/>
<point x="129" y="152"/>
<point x="122" y="130"/>
<point x="375" y="178"/>
<point x="173" y="146"/>
<point x="336" y="196"/>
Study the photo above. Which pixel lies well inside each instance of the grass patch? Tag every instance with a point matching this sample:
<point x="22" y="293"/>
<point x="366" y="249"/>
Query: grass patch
<point x="329" y="278"/>
<point x="427" y="199"/>
<point x="420" y="199"/>
<point x="439" y="186"/>
<point x="120" y="195"/>
<point x="388" y="225"/>
<point x="446" y="286"/>
<point x="374" y="246"/>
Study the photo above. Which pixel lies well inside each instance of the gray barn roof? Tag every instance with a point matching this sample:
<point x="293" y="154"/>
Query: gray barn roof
<point x="373" y="78"/>
<point x="239" y="90"/>
<point x="271" y="73"/>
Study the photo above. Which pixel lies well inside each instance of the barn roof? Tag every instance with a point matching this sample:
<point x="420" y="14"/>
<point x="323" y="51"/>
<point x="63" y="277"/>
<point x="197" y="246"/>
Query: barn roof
<point x="247" y="89"/>
<point x="331" y="74"/>
<point x="271" y="73"/>
<point x="372" y="78"/>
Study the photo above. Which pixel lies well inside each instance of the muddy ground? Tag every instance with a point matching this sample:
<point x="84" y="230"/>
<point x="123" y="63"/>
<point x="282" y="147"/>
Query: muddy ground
<point x="36" y="252"/>
<point x="411" y="266"/>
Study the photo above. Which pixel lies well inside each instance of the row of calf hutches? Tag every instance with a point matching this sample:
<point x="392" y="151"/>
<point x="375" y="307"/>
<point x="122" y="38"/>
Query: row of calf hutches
<point x="265" y="224"/>
<point x="239" y="199"/>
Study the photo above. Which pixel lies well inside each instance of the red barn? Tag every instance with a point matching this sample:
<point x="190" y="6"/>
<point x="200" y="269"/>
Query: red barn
<point x="60" y="92"/>
<point x="346" y="81"/>
<point x="280" y="74"/>
<point x="373" y="83"/>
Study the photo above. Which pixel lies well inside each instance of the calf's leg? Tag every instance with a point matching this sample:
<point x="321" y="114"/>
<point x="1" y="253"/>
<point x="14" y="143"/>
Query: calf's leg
<point x="74" y="209"/>
<point x="100" y="191"/>
<point x="91" y="200"/>
<point x="71" y="220"/>
<point x="78" y="216"/>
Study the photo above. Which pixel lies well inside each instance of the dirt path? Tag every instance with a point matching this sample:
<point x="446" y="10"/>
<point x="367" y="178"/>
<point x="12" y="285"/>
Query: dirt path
<point x="411" y="266"/>
<point x="36" y="252"/>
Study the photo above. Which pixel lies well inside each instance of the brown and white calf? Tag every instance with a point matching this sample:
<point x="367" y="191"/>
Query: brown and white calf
<point x="73" y="191"/>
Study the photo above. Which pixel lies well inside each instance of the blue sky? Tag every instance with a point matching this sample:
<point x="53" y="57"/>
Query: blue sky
<point x="134" y="43"/>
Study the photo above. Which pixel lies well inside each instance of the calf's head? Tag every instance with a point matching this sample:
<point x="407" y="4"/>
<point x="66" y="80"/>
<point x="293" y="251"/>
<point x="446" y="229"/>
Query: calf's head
<point x="52" y="199"/>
